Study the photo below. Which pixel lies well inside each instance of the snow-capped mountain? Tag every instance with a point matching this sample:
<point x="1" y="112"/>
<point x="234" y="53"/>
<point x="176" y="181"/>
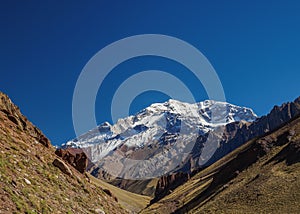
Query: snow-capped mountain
<point x="146" y="142"/>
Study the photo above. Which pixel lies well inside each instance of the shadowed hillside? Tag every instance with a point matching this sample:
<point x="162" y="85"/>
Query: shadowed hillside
<point x="262" y="176"/>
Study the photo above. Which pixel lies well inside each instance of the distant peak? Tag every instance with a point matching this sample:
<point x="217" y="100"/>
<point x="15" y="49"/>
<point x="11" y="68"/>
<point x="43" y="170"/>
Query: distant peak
<point x="105" y="124"/>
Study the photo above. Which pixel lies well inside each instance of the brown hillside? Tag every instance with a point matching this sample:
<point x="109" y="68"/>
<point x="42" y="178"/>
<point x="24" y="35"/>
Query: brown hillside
<point x="30" y="183"/>
<point x="262" y="176"/>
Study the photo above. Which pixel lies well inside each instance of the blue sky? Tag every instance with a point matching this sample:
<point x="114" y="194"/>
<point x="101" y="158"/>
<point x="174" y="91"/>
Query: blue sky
<point x="254" y="47"/>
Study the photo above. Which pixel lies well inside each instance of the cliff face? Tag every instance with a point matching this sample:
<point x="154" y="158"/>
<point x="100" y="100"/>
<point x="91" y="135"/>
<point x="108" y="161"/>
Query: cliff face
<point x="75" y="157"/>
<point x="237" y="134"/>
<point x="167" y="183"/>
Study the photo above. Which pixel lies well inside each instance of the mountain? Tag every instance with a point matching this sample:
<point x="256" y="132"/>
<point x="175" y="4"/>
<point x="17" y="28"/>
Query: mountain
<point x="240" y="133"/>
<point x="261" y="176"/>
<point x="234" y="135"/>
<point x="34" y="180"/>
<point x="158" y="139"/>
<point x="252" y="167"/>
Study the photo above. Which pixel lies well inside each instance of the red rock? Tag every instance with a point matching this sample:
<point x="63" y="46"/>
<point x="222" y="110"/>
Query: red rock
<point x="62" y="166"/>
<point x="167" y="183"/>
<point x="75" y="157"/>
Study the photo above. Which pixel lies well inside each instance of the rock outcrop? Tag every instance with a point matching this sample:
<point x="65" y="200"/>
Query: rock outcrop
<point x="62" y="166"/>
<point x="167" y="183"/>
<point x="75" y="157"/>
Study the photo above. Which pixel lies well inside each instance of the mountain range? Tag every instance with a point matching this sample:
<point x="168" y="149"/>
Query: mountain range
<point x="159" y="139"/>
<point x="210" y="129"/>
<point x="171" y="157"/>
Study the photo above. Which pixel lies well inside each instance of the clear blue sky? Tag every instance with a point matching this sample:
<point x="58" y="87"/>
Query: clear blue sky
<point x="253" y="45"/>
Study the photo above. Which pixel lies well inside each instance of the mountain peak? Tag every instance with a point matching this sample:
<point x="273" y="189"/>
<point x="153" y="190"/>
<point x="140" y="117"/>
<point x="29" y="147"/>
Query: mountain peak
<point x="211" y="110"/>
<point x="170" y="124"/>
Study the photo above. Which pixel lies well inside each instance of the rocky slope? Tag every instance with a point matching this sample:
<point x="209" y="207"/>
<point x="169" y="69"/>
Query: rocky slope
<point x="261" y="176"/>
<point x="30" y="182"/>
<point x="12" y="113"/>
<point x="240" y="133"/>
<point x="157" y="140"/>
<point x="75" y="157"/>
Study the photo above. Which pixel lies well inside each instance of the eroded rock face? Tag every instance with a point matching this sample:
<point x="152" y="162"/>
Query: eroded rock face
<point x="168" y="183"/>
<point x="238" y="133"/>
<point x="291" y="153"/>
<point x="75" y="157"/>
<point x="13" y="114"/>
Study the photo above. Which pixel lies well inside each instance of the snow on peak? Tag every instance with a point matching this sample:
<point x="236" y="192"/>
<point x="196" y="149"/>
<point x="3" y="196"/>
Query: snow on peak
<point x="160" y="119"/>
<point x="209" y="109"/>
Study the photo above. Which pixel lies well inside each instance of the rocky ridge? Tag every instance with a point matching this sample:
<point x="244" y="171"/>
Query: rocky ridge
<point x="12" y="112"/>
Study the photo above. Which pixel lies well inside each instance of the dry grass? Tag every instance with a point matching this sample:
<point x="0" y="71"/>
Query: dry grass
<point x="130" y="201"/>
<point x="264" y="187"/>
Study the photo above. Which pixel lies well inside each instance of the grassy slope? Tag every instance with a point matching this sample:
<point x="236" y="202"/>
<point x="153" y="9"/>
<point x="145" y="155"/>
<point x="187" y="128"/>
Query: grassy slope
<point x="267" y="186"/>
<point x="141" y="187"/>
<point x="264" y="187"/>
<point x="23" y="159"/>
<point x="128" y="200"/>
